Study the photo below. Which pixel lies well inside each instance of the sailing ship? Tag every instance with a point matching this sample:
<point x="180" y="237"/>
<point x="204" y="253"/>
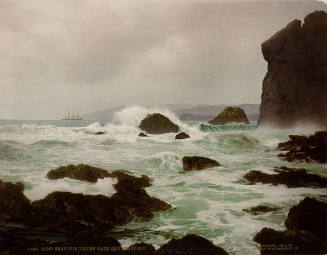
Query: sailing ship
<point x="73" y="117"/>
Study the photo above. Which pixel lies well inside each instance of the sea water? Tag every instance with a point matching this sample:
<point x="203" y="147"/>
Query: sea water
<point x="208" y="203"/>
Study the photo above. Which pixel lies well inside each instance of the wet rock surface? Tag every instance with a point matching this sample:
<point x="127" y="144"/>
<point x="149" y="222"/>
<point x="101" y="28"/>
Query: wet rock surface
<point x="260" y="209"/>
<point x="294" y="89"/>
<point x="80" y="172"/>
<point x="198" y="163"/>
<point x="182" y="136"/>
<point x="157" y="123"/>
<point x="311" y="148"/>
<point x="306" y="231"/>
<point x="230" y="115"/>
<point x="71" y="212"/>
<point x="291" y="177"/>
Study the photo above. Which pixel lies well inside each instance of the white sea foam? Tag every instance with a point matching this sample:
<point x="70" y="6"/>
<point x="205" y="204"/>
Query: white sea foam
<point x="103" y="186"/>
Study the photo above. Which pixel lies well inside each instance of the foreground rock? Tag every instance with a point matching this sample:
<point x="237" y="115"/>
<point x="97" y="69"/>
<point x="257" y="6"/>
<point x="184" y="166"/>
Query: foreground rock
<point x="157" y="123"/>
<point x="230" y="115"/>
<point x="14" y="205"/>
<point x="291" y="177"/>
<point x="305" y="234"/>
<point x="182" y="136"/>
<point x="191" y="245"/>
<point x="198" y="163"/>
<point x="260" y="209"/>
<point x="73" y="213"/>
<point x="90" y="243"/>
<point x="294" y="90"/>
<point x="303" y="148"/>
<point x="80" y="172"/>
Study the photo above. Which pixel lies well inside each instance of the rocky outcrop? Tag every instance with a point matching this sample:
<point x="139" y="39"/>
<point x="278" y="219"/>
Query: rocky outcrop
<point x="309" y="215"/>
<point x="306" y="231"/>
<point x="157" y="123"/>
<point x="291" y="177"/>
<point x="230" y="115"/>
<point x="190" y="245"/>
<point x="260" y="209"/>
<point x="72" y="212"/>
<point x="295" y="87"/>
<point x="182" y="136"/>
<point x="92" y="243"/>
<point x="80" y="172"/>
<point x="143" y="135"/>
<point x="198" y="163"/>
<point x="303" y="148"/>
<point x="14" y="205"/>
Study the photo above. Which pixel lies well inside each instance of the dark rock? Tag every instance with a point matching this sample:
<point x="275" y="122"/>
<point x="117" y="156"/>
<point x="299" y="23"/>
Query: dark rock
<point x="143" y="135"/>
<point x="99" y="133"/>
<point x="289" y="242"/>
<point x="182" y="136"/>
<point x="140" y="249"/>
<point x="306" y="231"/>
<point x="14" y="205"/>
<point x="294" y="89"/>
<point x="198" y="163"/>
<point x="303" y="148"/>
<point x="291" y="177"/>
<point x="129" y="183"/>
<point x="309" y="215"/>
<point x="80" y="172"/>
<point x="230" y="115"/>
<point x="157" y="123"/>
<point x="260" y="209"/>
<point x="73" y="213"/>
<point x="191" y="245"/>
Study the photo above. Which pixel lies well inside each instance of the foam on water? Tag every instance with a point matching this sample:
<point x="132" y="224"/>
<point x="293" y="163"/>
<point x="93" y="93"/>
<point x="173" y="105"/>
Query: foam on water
<point x="103" y="186"/>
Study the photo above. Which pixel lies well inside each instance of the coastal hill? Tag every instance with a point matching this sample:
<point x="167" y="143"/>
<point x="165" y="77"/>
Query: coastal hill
<point x="186" y="112"/>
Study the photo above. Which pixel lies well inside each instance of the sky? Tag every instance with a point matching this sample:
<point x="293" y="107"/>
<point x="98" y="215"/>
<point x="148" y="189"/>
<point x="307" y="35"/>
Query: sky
<point x="88" y="55"/>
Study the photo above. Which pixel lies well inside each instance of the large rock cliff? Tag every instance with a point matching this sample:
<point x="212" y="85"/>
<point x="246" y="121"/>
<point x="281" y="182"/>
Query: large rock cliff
<point x="295" y="87"/>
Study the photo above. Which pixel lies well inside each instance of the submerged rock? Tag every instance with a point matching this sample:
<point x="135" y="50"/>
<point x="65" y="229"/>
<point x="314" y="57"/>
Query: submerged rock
<point x="80" y="172"/>
<point x="294" y="90"/>
<point x="143" y="135"/>
<point x="198" y="163"/>
<point x="157" y="123"/>
<point x="291" y="177"/>
<point x="230" y="115"/>
<point x="260" y="209"/>
<point x="306" y="231"/>
<point x="182" y="136"/>
<point x="303" y="148"/>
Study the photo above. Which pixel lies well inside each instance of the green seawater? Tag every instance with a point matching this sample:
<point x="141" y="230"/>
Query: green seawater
<point x="209" y="203"/>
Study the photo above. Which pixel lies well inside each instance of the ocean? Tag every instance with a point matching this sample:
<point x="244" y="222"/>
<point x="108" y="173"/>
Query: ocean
<point x="208" y="203"/>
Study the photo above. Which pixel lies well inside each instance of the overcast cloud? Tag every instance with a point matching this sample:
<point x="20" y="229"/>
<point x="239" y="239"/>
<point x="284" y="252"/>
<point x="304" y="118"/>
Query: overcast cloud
<point x="59" y="55"/>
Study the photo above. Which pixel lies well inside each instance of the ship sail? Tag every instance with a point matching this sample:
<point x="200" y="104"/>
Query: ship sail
<point x="73" y="117"/>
